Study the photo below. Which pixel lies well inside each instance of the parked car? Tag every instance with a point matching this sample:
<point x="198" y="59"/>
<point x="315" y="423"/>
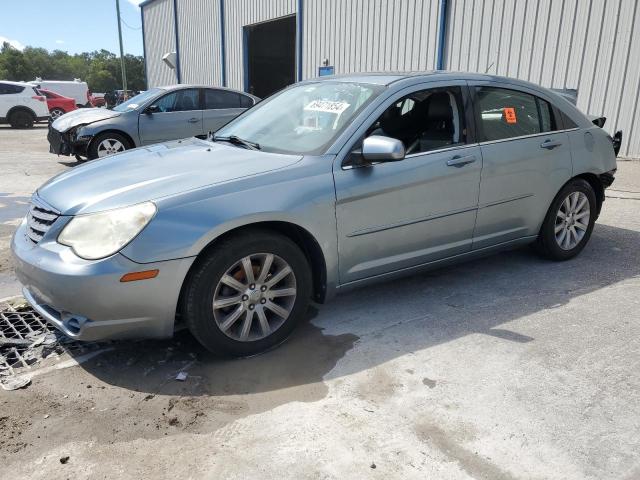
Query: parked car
<point x="122" y="95"/>
<point x="159" y="114"/>
<point x="57" y="104"/>
<point x="76" y="89"/>
<point x="21" y="105"/>
<point x="97" y="99"/>
<point x="329" y="184"/>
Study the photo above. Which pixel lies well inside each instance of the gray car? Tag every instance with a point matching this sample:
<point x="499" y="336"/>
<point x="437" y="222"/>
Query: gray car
<point x="330" y="184"/>
<point x="157" y="115"/>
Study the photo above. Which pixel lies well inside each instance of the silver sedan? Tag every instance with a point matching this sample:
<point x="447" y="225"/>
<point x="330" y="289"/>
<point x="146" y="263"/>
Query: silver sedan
<point x="157" y="115"/>
<point x="330" y="184"/>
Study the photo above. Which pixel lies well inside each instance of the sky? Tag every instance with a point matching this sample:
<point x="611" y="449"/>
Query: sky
<point x="74" y="26"/>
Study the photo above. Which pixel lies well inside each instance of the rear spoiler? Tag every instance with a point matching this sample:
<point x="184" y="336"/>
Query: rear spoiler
<point x="598" y="121"/>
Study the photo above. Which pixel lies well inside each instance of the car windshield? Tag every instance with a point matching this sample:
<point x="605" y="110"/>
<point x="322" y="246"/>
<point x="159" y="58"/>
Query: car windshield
<point x="304" y="119"/>
<point x="136" y="102"/>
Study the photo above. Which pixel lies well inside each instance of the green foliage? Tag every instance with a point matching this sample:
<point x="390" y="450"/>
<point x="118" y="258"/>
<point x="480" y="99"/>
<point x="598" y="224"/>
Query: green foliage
<point x="100" y="69"/>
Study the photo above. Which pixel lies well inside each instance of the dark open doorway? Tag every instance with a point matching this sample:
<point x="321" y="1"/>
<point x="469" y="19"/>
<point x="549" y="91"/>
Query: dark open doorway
<point x="270" y="56"/>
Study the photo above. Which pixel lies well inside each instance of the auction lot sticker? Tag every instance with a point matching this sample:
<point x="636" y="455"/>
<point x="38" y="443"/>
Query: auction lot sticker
<point x="510" y="115"/>
<point x="328" y="106"/>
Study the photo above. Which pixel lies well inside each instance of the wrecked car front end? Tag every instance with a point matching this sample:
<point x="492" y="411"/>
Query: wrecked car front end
<point x="71" y="133"/>
<point x="69" y="142"/>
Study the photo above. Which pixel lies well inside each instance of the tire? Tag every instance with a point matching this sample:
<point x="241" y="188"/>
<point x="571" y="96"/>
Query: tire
<point x="21" y="119"/>
<point x="204" y="285"/>
<point x="555" y="245"/>
<point x="96" y="147"/>
<point x="55" y="113"/>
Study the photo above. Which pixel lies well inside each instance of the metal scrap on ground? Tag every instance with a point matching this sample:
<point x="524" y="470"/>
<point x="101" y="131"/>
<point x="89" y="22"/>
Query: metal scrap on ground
<point x="26" y="341"/>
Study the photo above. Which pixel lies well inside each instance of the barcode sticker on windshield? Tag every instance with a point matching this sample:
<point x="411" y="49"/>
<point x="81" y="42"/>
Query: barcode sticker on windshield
<point x="327" y="106"/>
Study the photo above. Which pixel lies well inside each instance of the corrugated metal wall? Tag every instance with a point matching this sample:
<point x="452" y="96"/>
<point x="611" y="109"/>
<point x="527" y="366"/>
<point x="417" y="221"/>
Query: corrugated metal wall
<point x="370" y="35"/>
<point x="590" y="45"/>
<point x="239" y="13"/>
<point x="199" y="41"/>
<point x="159" y="39"/>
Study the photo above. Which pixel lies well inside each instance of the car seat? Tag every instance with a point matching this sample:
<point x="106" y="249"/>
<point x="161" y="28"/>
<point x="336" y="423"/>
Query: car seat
<point x="438" y="131"/>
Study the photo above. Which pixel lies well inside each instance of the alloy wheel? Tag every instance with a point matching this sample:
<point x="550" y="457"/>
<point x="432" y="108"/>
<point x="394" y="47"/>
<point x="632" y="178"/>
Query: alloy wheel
<point x="56" y="113"/>
<point x="572" y="220"/>
<point x="109" y="146"/>
<point x="254" y="297"/>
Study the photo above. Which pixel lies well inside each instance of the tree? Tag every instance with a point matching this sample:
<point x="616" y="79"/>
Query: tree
<point x="100" y="69"/>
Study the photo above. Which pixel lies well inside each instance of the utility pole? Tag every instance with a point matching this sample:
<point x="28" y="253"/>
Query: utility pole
<point x="124" y="72"/>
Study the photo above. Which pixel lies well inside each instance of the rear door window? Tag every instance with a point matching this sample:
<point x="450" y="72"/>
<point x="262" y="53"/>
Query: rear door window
<point x="506" y="113"/>
<point x="8" y="89"/>
<point x="218" y="99"/>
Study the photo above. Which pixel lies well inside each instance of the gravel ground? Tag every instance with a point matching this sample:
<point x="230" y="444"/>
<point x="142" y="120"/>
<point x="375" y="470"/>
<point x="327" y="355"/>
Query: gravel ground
<point x="509" y="367"/>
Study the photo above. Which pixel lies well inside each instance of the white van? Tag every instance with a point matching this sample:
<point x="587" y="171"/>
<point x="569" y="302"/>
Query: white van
<point x="77" y="89"/>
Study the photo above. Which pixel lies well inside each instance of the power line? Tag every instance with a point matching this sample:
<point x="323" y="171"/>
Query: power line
<point x="129" y="26"/>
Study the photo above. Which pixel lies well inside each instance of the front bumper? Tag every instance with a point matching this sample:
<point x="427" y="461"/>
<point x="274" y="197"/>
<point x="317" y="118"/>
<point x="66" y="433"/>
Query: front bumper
<point x="86" y="300"/>
<point x="67" y="143"/>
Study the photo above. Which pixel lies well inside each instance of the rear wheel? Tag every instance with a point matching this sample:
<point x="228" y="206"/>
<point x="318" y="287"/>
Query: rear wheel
<point x="21" y="119"/>
<point x="108" y="143"/>
<point x="56" y="113"/>
<point x="569" y="221"/>
<point x="248" y="293"/>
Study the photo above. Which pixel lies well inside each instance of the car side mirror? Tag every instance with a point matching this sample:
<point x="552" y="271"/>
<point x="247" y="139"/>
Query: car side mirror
<point x="152" y="109"/>
<point x="378" y="148"/>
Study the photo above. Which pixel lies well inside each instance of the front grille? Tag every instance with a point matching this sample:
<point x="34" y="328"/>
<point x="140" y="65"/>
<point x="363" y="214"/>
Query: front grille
<point x="39" y="221"/>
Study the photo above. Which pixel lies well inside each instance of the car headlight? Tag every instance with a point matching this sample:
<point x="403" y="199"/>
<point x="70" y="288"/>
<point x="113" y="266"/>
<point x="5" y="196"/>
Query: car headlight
<point x="99" y="235"/>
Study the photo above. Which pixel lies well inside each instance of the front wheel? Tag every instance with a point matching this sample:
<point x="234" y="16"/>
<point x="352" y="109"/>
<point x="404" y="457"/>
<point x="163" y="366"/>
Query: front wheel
<point x="569" y="221"/>
<point x="106" y="144"/>
<point x="248" y="293"/>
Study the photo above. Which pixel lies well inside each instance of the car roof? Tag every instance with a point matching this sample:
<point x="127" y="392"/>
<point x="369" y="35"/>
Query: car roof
<point x="20" y="84"/>
<point x="189" y="85"/>
<point x="390" y="78"/>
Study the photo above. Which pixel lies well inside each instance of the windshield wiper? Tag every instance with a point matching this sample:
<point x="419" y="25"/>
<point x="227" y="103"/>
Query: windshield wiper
<point x="238" y="141"/>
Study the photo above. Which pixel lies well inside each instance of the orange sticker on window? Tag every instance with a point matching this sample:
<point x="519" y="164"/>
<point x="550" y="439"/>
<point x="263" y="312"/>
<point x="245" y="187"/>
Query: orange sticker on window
<point x="510" y="114"/>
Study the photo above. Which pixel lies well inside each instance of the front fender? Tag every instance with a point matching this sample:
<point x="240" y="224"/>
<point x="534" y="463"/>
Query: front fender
<point x="122" y="124"/>
<point x="185" y="224"/>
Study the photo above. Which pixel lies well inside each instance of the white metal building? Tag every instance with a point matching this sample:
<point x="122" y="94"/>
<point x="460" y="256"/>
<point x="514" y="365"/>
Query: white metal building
<point x="592" y="46"/>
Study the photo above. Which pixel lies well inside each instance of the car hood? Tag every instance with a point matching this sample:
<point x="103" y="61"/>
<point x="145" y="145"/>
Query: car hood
<point x="153" y="172"/>
<point x="82" y="116"/>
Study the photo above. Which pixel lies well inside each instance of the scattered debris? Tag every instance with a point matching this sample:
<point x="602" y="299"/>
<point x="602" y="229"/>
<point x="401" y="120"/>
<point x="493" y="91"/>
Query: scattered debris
<point x="15" y="382"/>
<point x="26" y="341"/>
<point x="182" y="376"/>
<point x="64" y="460"/>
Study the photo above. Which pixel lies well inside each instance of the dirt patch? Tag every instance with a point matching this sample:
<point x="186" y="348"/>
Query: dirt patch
<point x="131" y="393"/>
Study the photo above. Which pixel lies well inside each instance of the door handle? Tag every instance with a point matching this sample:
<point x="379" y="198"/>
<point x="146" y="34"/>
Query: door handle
<point x="459" y="161"/>
<point x="550" y="144"/>
<point x="193" y="120"/>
